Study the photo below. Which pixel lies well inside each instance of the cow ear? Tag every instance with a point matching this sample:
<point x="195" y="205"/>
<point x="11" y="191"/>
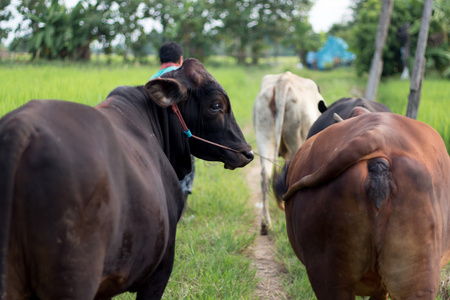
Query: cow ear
<point x="166" y="91"/>
<point x="322" y="106"/>
<point x="357" y="111"/>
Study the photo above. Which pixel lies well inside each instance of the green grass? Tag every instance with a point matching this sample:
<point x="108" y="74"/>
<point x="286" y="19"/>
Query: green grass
<point x="433" y="108"/>
<point x="86" y="84"/>
<point x="212" y="251"/>
<point x="211" y="260"/>
<point x="212" y="240"/>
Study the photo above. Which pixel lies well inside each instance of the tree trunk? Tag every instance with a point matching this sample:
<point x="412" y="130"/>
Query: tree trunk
<point x="376" y="66"/>
<point x="419" y="62"/>
<point x="241" y="57"/>
<point x="125" y="56"/>
<point x="405" y="50"/>
<point x="302" y="56"/>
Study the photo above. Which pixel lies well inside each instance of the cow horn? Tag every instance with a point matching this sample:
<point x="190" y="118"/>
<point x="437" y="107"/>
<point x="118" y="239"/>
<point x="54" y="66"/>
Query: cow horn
<point x="337" y="118"/>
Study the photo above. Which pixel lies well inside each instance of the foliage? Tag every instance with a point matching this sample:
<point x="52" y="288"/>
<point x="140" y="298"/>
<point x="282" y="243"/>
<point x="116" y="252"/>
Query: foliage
<point x="5" y="15"/>
<point x="344" y="31"/>
<point x="245" y="27"/>
<point x="58" y="32"/>
<point x="405" y="12"/>
<point x="438" y="55"/>
<point x="303" y="38"/>
<point x="249" y="25"/>
<point x="433" y="103"/>
<point x="49" y="24"/>
<point x="127" y="23"/>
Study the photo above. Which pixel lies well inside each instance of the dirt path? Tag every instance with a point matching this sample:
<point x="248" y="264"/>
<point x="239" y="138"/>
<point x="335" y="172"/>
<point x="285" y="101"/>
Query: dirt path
<point x="268" y="270"/>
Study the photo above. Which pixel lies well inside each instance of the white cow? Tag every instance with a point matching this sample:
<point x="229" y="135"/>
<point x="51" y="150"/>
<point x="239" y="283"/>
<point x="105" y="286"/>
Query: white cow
<point x="284" y="110"/>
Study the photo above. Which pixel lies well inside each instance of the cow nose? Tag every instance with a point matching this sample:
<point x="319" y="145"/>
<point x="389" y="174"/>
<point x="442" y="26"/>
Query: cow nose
<point x="249" y="154"/>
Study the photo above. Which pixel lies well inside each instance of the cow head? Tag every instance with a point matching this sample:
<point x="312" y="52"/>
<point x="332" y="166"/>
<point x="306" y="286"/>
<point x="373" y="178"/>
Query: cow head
<point x="206" y="109"/>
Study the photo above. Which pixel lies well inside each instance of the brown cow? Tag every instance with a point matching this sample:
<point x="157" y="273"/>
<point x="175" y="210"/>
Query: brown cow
<point x="367" y="208"/>
<point x="90" y="197"/>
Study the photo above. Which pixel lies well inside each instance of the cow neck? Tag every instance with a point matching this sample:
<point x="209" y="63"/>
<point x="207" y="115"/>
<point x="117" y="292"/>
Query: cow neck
<point x="173" y="141"/>
<point x="145" y="118"/>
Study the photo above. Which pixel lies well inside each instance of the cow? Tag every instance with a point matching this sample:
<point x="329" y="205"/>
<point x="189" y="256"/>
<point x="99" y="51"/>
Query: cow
<point x="284" y="110"/>
<point x="90" y="196"/>
<point x="342" y="108"/>
<point x="367" y="205"/>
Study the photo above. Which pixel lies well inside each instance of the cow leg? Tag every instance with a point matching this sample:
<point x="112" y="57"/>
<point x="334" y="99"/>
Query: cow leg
<point x="330" y="232"/>
<point x="264" y="123"/>
<point x="409" y="260"/>
<point x="266" y="145"/>
<point x="156" y="284"/>
<point x="328" y="286"/>
<point x="266" y="222"/>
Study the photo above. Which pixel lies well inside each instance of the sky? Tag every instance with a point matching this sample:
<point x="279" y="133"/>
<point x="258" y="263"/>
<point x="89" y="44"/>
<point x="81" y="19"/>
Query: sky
<point x="322" y="16"/>
<point x="325" y="13"/>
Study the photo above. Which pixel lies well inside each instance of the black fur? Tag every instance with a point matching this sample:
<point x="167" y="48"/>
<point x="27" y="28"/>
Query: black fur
<point x="379" y="182"/>
<point x="279" y="183"/>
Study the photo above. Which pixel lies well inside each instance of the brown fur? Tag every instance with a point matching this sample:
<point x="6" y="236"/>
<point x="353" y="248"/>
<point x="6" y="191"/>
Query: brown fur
<point x="369" y="213"/>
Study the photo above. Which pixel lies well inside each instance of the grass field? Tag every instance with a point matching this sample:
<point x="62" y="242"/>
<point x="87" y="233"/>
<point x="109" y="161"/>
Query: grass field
<point x="212" y="255"/>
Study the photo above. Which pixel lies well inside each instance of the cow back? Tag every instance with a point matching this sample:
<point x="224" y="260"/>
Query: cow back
<point x="368" y="198"/>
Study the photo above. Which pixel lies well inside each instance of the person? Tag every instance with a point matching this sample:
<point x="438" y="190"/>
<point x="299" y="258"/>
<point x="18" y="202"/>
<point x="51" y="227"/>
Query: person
<point x="171" y="58"/>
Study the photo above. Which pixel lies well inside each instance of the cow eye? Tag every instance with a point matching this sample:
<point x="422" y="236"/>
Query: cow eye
<point x="216" y="107"/>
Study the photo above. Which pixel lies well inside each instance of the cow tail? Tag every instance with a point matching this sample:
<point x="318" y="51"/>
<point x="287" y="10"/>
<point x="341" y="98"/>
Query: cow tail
<point x="279" y="185"/>
<point x="379" y="184"/>
<point x="13" y="141"/>
<point x="280" y="109"/>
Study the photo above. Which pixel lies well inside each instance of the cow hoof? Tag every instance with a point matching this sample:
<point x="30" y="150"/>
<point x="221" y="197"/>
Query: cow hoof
<point x="264" y="229"/>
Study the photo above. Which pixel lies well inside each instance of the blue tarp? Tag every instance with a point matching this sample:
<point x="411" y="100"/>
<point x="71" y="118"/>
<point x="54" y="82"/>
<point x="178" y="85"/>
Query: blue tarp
<point x="333" y="52"/>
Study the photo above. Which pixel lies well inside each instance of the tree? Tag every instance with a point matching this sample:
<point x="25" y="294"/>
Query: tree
<point x="303" y="38"/>
<point x="139" y="47"/>
<point x="79" y="34"/>
<point x="377" y="63"/>
<point x="49" y="28"/>
<point x="419" y="62"/>
<point x="194" y="28"/>
<point x="185" y="21"/>
<point x="247" y="25"/>
<point x="58" y="32"/>
<point x="127" y="25"/>
<point x="5" y="15"/>
<point x="364" y="26"/>
<point x="437" y="52"/>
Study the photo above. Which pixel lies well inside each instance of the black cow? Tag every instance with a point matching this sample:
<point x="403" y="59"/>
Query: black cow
<point x="342" y="107"/>
<point x="90" y="197"/>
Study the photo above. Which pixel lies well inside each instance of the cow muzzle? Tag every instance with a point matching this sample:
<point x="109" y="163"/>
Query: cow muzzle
<point x="241" y="159"/>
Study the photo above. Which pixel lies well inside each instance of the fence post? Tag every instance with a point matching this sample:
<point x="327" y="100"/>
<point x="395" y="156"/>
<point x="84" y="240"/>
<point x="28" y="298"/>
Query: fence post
<point x="376" y="66"/>
<point x="419" y="62"/>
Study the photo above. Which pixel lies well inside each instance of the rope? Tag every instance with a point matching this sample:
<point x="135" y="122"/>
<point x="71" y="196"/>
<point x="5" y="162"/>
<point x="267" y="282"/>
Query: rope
<point x="189" y="134"/>
<point x="180" y="118"/>
<point x="269" y="159"/>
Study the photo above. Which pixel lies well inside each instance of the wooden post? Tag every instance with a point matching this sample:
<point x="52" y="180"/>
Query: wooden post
<point x="376" y="66"/>
<point x="419" y="62"/>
